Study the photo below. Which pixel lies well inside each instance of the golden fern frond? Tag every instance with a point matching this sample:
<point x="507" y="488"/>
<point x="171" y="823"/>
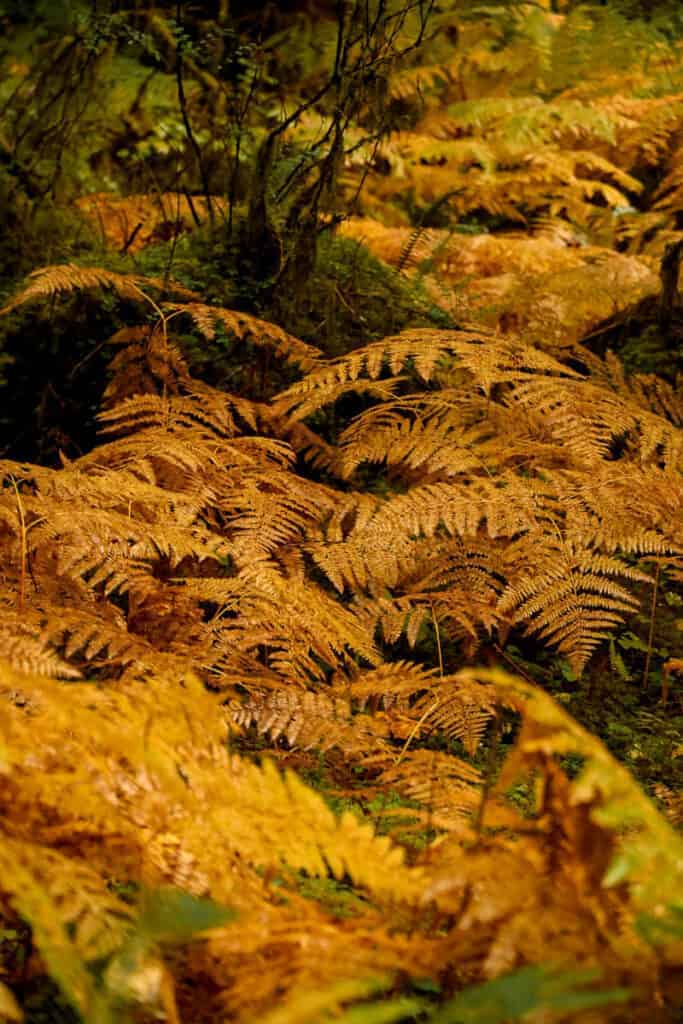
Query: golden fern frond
<point x="295" y="943"/>
<point x="570" y="598"/>
<point x="506" y="504"/>
<point x="248" y="328"/>
<point x="489" y="359"/>
<point x="310" y="721"/>
<point x="583" y="416"/>
<point x="649" y="502"/>
<point x="591" y="416"/>
<point x="650" y="851"/>
<point x="98" y="639"/>
<point x="115" y="490"/>
<point x="424" y="347"/>
<point x="159" y="455"/>
<point x="461" y="153"/>
<point x="269" y="510"/>
<point x="459" y="709"/>
<point x="296" y="404"/>
<point x="24" y="648"/>
<point x="125" y="772"/>
<point x="48" y="282"/>
<point x="432" y="446"/>
<point x="401" y="615"/>
<point x="320" y="844"/>
<point x="386" y="546"/>
<point x="300" y="629"/>
<point x="446" y="786"/>
<point x="457" y="583"/>
<point x="462" y="580"/>
<point x="130" y="223"/>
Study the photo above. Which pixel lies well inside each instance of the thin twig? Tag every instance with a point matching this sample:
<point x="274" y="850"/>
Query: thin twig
<point x="651" y="634"/>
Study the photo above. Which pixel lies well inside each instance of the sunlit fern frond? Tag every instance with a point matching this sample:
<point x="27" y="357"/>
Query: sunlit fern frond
<point x="570" y="598"/>
<point x="124" y="773"/>
<point x="593" y="420"/>
<point x="461" y="582"/>
<point x="310" y="720"/>
<point x="98" y="640"/>
<point x="505" y="504"/>
<point x="298" y="629"/>
<point x="458" y="710"/>
<point x="248" y="328"/>
<point x="650" y="509"/>
<point x="489" y="359"/>
<point x="447" y="787"/>
<point x="434" y="445"/>
<point x="386" y="546"/>
<point x="270" y="509"/>
<point x="581" y="415"/>
<point x="48" y="282"/>
<point x="26" y="647"/>
<point x="155" y="454"/>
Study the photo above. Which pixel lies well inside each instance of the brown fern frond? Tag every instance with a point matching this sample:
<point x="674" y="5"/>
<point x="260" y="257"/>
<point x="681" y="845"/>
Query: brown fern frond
<point x="48" y="282"/>
<point x="301" y="631"/>
<point x="459" y="710"/>
<point x="248" y="328"/>
<point x="23" y="647"/>
<point x="490" y="360"/>
<point x="310" y="721"/>
<point x="447" y="787"/>
<point x="425" y="447"/>
<point x="570" y="598"/>
<point x="130" y="223"/>
<point x="650" y="509"/>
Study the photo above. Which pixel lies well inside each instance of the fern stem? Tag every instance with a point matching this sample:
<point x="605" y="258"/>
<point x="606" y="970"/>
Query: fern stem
<point x="438" y="639"/>
<point x="427" y="713"/>
<point x="413" y="731"/>
<point x="651" y="633"/>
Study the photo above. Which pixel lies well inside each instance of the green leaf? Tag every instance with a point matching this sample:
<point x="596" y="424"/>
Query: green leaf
<point x="531" y="988"/>
<point x="617" y="662"/>
<point x="172" y="915"/>
<point x="631" y="642"/>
